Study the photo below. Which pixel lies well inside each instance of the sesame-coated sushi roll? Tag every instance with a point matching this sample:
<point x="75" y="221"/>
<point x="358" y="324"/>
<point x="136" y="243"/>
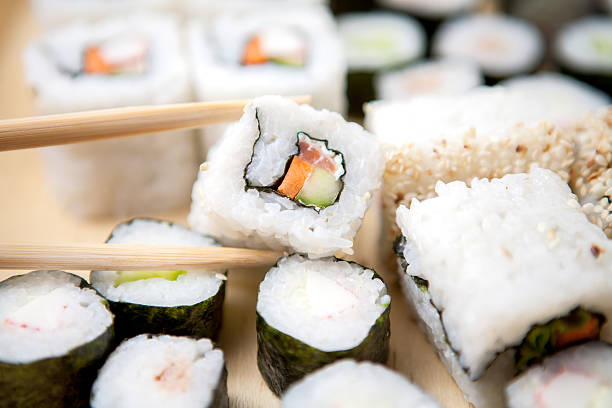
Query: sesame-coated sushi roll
<point x="578" y="377"/>
<point x="502" y="275"/>
<point x="313" y="312"/>
<point x="162" y="372"/>
<point x="349" y="384"/>
<point x="55" y="332"/>
<point x="188" y="303"/>
<point x="287" y="177"/>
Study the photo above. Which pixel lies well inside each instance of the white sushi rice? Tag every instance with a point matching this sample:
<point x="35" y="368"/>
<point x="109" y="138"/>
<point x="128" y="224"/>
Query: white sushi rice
<point x="45" y="314"/>
<point x="434" y="77"/>
<point x="120" y="177"/>
<point x="500" y="257"/>
<point x="432" y="9"/>
<point x="188" y="289"/>
<point x="580" y="377"/>
<point x="567" y="98"/>
<point x="237" y="217"/>
<point x="328" y="304"/>
<point x="348" y="384"/>
<point x="376" y="40"/>
<point x="501" y="45"/>
<point x="215" y="51"/>
<point x="207" y="10"/>
<point x="159" y="371"/>
<point x="584" y="45"/>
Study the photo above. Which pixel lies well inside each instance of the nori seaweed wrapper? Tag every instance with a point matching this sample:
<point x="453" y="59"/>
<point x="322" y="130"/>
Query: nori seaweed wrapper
<point x="221" y="398"/>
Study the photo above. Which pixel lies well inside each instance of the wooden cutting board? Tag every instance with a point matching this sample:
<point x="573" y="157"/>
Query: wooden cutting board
<point x="28" y="214"/>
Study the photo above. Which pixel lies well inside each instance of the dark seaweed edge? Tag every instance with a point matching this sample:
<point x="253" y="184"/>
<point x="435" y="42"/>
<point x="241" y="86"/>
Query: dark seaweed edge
<point x="272" y="187"/>
<point x="220" y="396"/>
<point x="278" y="354"/>
<point x="399" y="244"/>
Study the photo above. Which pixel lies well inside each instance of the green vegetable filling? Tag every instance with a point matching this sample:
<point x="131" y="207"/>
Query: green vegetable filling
<point x="321" y="189"/>
<point x="603" y="45"/>
<point x="131" y="276"/>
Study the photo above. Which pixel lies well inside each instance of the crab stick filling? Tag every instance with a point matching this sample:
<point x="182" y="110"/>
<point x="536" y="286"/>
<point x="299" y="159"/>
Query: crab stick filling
<point x="277" y="45"/>
<point x="120" y="55"/>
<point x="574" y="389"/>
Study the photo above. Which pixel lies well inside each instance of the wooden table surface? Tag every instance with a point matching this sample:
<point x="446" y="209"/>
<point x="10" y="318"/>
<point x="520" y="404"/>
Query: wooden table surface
<point x="29" y="215"/>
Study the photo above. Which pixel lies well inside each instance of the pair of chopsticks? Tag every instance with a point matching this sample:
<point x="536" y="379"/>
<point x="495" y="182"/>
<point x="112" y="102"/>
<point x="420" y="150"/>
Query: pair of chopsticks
<point x="87" y="126"/>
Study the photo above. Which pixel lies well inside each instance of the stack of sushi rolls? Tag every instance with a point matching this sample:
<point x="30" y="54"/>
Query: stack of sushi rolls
<point x="284" y="51"/>
<point x="123" y="61"/>
<point x="288" y="177"/>
<point x="503" y="274"/>
<point x="173" y="302"/>
<point x="313" y="312"/>
<point x="577" y="377"/>
<point x="55" y="332"/>
<point x="582" y="49"/>
<point x="349" y="384"/>
<point x="503" y="46"/>
<point x="162" y="372"/>
<point x="568" y="98"/>
<point x="374" y="42"/>
<point x="591" y="173"/>
<point x="486" y="132"/>
<point x="432" y="77"/>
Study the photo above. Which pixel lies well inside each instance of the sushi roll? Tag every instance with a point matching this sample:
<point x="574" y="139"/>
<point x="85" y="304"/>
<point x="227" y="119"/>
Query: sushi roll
<point x="486" y="132"/>
<point x="374" y="42"/>
<point x="502" y="46"/>
<point x="134" y="60"/>
<point x="582" y="49"/>
<point x="298" y="179"/>
<point x="162" y="372"/>
<point x="313" y="312"/>
<point x="55" y="332"/>
<point x="567" y="98"/>
<point x="349" y="384"/>
<point x="591" y="175"/>
<point x="433" y="77"/>
<point x="284" y="51"/>
<point x="186" y="303"/>
<point x="503" y="274"/>
<point x="578" y="377"/>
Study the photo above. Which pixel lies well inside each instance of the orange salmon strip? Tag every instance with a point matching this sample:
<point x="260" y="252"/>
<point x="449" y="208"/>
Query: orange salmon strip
<point x="296" y="176"/>
<point x="253" y="54"/>
<point x="588" y="332"/>
<point x="94" y="63"/>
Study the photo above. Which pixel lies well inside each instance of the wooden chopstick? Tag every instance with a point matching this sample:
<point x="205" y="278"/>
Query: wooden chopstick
<point x="118" y="257"/>
<point x="38" y="131"/>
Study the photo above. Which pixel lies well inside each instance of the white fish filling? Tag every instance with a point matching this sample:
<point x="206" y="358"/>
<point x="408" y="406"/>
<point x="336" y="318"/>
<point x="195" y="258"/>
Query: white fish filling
<point x="159" y="371"/>
<point x="329" y="305"/>
<point x="45" y="314"/>
<point x="189" y="288"/>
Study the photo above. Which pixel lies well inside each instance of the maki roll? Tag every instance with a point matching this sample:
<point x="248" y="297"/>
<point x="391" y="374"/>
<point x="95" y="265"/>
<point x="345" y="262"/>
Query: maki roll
<point x="162" y="371"/>
<point x="502" y="46"/>
<point x="186" y="303"/>
<point x="313" y="312"/>
<point x="55" y="332"/>
<point x="134" y="60"/>
<point x="591" y="175"/>
<point x="503" y="274"/>
<point x="297" y="179"/>
<point x="433" y="77"/>
<point x="348" y="384"/>
<point x="583" y="48"/>
<point x="285" y="51"/>
<point x="578" y="377"/>
<point x="374" y="42"/>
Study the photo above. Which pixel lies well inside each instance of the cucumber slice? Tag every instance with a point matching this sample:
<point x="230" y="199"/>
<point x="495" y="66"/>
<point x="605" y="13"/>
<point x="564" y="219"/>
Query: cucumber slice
<point x="321" y="189"/>
<point x="131" y="276"/>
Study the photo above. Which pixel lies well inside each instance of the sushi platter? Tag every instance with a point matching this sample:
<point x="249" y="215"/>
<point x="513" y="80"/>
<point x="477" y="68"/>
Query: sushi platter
<point x="390" y="202"/>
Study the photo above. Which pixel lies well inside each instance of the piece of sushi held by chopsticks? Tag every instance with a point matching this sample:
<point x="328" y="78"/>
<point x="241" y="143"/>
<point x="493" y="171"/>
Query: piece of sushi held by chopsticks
<point x="504" y="274"/>
<point x="313" y="312"/>
<point x="123" y="61"/>
<point x="178" y="302"/>
<point x="268" y="51"/>
<point x="591" y="175"/>
<point x="349" y="384"/>
<point x="578" y="377"/>
<point x="287" y="177"/>
<point x="55" y="332"/>
<point x="162" y="372"/>
<point x="487" y="132"/>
